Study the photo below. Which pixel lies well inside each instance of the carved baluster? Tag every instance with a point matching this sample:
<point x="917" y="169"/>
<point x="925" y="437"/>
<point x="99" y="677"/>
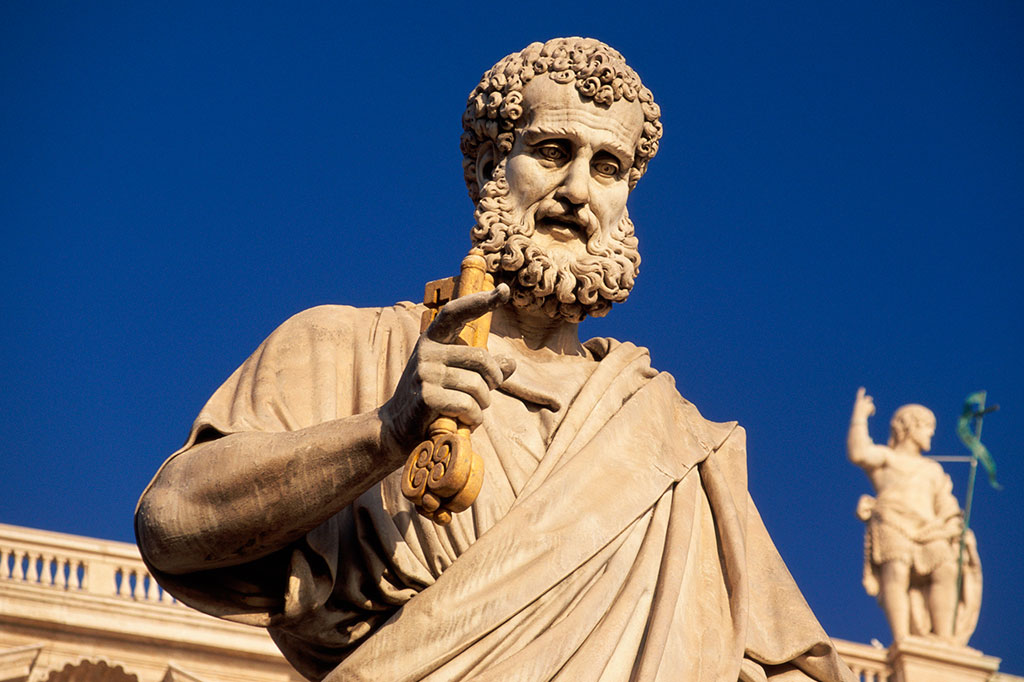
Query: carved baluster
<point x="34" y="562"/>
<point x="133" y="583"/>
<point x="47" y="569"/>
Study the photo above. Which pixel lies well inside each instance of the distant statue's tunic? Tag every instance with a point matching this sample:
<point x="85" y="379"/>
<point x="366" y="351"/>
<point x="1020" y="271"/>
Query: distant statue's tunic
<point x="911" y="522"/>
<point x="902" y="531"/>
<point x="614" y="538"/>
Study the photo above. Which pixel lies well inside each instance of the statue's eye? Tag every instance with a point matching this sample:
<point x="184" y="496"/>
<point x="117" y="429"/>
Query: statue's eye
<point x="607" y="168"/>
<point x="552" y="152"/>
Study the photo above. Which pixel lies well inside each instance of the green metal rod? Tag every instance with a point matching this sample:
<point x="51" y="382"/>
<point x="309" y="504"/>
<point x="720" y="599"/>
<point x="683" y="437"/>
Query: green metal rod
<point x="967" y="517"/>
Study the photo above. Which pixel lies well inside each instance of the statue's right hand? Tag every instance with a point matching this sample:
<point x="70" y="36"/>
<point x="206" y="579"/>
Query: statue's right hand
<point x="445" y="379"/>
<point x="863" y="406"/>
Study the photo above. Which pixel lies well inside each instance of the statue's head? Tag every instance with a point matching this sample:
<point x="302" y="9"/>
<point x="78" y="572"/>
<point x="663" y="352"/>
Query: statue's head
<point x="915" y="423"/>
<point x="556" y="137"/>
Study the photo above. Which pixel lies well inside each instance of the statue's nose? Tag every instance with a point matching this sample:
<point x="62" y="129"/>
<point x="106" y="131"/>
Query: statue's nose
<point x="575" y="187"/>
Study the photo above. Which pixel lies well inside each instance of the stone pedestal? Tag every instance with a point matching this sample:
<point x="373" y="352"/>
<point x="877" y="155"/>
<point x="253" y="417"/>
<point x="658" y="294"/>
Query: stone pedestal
<point x="916" y="659"/>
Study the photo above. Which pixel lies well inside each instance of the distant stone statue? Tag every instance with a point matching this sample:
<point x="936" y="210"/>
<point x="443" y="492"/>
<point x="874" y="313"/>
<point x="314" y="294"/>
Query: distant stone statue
<point x="612" y="536"/>
<point x="913" y="530"/>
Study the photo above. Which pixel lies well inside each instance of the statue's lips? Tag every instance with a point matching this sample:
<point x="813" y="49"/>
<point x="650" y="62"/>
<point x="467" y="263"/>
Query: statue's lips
<point x="561" y="229"/>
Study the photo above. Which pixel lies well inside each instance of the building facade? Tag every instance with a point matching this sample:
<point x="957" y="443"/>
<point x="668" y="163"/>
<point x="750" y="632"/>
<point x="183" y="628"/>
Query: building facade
<point x="78" y="609"/>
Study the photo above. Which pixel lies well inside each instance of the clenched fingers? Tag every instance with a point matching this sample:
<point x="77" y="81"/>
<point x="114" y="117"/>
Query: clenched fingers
<point x="436" y="358"/>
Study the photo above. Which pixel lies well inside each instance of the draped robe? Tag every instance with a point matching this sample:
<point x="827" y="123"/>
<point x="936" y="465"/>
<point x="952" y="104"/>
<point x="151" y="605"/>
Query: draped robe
<point x="626" y="548"/>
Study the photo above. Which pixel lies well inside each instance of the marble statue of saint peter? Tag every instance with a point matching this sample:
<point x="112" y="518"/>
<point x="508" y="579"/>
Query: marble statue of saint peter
<point x="613" y="538"/>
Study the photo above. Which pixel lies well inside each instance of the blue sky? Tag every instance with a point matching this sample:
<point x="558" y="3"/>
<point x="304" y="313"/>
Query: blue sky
<point x="837" y="202"/>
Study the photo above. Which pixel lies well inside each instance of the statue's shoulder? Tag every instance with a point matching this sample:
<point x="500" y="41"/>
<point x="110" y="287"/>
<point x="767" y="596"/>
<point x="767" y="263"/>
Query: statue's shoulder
<point x="917" y="462"/>
<point x="710" y="435"/>
<point x="933" y="467"/>
<point x="339" y="318"/>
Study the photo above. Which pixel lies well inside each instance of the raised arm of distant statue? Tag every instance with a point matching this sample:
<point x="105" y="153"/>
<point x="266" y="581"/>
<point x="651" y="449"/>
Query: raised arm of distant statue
<point x="861" y="450"/>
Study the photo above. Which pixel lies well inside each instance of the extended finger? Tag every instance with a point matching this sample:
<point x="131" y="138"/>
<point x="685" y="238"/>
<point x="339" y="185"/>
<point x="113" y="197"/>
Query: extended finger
<point x="455" y="314"/>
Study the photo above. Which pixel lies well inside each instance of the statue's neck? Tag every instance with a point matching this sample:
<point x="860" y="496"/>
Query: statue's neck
<point x="537" y="331"/>
<point x="907" y="447"/>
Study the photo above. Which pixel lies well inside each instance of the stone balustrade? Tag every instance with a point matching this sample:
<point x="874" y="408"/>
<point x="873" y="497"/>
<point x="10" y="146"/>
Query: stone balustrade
<point x="72" y="605"/>
<point x="920" y="660"/>
<point x="868" y="663"/>
<point x="76" y="564"/>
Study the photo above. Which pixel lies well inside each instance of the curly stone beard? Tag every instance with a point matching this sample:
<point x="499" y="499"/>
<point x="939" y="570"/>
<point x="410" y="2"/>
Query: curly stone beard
<point x="570" y="288"/>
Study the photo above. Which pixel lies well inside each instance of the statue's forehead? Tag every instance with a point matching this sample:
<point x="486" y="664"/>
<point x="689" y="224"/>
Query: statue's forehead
<point x="551" y="105"/>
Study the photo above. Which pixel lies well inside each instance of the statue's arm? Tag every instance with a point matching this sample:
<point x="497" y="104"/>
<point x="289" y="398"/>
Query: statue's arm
<point x="861" y="450"/>
<point x="246" y="495"/>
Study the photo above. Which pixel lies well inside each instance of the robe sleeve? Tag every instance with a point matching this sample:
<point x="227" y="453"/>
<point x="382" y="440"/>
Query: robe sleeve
<point x="322" y="364"/>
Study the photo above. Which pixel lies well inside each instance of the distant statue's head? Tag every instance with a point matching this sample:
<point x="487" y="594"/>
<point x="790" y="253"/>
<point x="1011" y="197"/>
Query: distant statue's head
<point x="915" y="423"/>
<point x="555" y="138"/>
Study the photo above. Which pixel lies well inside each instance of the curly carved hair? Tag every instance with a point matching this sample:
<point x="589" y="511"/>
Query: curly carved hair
<point x="906" y="418"/>
<point x="599" y="73"/>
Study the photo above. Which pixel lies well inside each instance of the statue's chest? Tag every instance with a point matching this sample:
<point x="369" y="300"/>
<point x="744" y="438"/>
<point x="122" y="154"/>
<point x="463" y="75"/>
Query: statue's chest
<point x="909" y="478"/>
<point x="533" y="401"/>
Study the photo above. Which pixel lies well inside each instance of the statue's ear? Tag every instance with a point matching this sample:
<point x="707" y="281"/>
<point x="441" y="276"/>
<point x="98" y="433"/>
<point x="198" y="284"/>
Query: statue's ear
<point x="486" y="159"/>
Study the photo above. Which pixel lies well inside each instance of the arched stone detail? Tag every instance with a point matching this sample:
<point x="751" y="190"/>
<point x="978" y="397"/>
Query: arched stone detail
<point x="88" y="671"/>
